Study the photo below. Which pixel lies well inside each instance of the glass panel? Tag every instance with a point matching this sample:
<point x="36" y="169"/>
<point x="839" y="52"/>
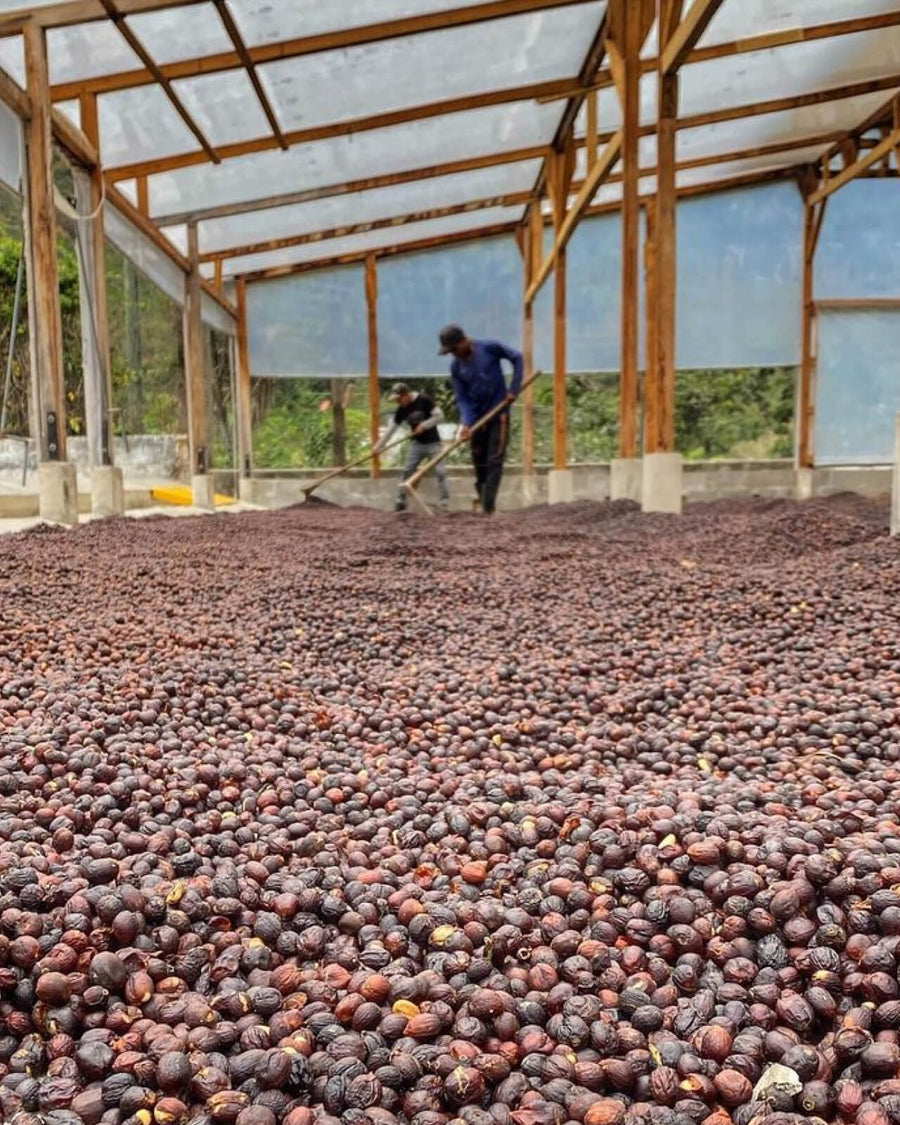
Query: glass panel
<point x="788" y="71"/>
<point x="478" y="284"/>
<point x="141" y="124"/>
<point x="417" y="69"/>
<point x="737" y="19"/>
<point x="369" y="206"/>
<point x="88" y="49"/>
<point x="358" y="243"/>
<point x="419" y="144"/>
<point x="859" y="248"/>
<point x="710" y="173"/>
<point x="181" y="33"/>
<point x="312" y="324"/>
<point x="212" y="314"/>
<point x="857" y="389"/>
<point x="224" y="106"/>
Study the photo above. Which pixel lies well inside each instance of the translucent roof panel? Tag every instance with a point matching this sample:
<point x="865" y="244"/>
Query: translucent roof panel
<point x="419" y="144"/>
<point x="87" y="50"/>
<point x="368" y="206"/>
<point x="436" y="66"/>
<point x="262" y="21"/>
<point x="181" y="33"/>
<point x="12" y="57"/>
<point x="140" y="124"/>
<point x="789" y="71"/>
<point x="374" y="240"/>
<point x="224" y="106"/>
<point x="738" y="19"/>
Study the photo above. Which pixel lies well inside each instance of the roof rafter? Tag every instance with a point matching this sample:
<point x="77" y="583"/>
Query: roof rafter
<point x="512" y="199"/>
<point x="143" y="54"/>
<point x="695" y="21"/>
<point x="686" y="192"/>
<point x="531" y="92"/>
<point x="314" y="44"/>
<point x="234" y="34"/>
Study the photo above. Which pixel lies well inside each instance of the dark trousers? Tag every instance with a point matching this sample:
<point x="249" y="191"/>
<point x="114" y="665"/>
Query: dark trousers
<point x="488" y="453"/>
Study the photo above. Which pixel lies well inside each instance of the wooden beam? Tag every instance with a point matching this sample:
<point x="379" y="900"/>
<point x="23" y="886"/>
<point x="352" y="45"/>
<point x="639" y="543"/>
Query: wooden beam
<point x="134" y="42"/>
<point x="143" y="196"/>
<point x="515" y="199"/>
<point x="374" y="370"/>
<point x="856" y="304"/>
<point x="430" y="243"/>
<point x="560" y="424"/>
<point x="67" y="13"/>
<point x="532" y="92"/>
<point x="93" y="297"/>
<point x="596" y="176"/>
<point x="352" y="187"/>
<point x="853" y="171"/>
<point x="74" y="140"/>
<point x="591" y="139"/>
<point x="44" y="317"/>
<point x="534" y="252"/>
<point x="339" y="39"/>
<point x="234" y="34"/>
<point x="651" y="382"/>
<point x="244" y="395"/>
<point x="631" y="228"/>
<point x="194" y="365"/>
<point x="13" y="96"/>
<point x="688" y="33"/>
<point x="663" y="437"/>
<point x="807" y="389"/>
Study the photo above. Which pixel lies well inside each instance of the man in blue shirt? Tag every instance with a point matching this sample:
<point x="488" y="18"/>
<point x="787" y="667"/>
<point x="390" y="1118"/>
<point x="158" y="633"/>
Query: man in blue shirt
<point x="479" y="386"/>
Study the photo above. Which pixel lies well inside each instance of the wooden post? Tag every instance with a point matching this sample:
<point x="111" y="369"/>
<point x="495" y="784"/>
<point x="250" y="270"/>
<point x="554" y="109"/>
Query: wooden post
<point x="651" y="374"/>
<point x="813" y="218"/>
<point x="143" y="187"/>
<point x="374" y="386"/>
<point x="631" y="226"/>
<point x="92" y="290"/>
<point x="44" y="318"/>
<point x="533" y="253"/>
<point x="662" y="436"/>
<point x="244" y="397"/>
<point x="193" y="360"/>
<point x="560" y="425"/>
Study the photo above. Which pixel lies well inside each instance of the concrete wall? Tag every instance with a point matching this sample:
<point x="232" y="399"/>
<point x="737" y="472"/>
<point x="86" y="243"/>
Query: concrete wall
<point x="148" y="456"/>
<point x="703" y="480"/>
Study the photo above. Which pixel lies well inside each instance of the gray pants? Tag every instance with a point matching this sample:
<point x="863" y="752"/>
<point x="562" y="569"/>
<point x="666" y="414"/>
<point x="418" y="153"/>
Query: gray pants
<point x="418" y="454"/>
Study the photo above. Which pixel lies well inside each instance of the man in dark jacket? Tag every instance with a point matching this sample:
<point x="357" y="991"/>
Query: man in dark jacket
<point x="422" y="415"/>
<point x="479" y="386"/>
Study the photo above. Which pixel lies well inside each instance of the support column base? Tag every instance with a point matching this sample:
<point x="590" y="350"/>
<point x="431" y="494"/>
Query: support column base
<point x="895" y="494"/>
<point x="804" y="485"/>
<point x="662" y="483"/>
<point x="58" y="492"/>
<point x="529" y="490"/>
<point x="626" y="479"/>
<point x="560" y="486"/>
<point x="204" y="493"/>
<point x="107" y="491"/>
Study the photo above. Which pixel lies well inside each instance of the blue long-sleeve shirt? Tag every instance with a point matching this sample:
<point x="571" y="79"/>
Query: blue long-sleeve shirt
<point x="478" y="382"/>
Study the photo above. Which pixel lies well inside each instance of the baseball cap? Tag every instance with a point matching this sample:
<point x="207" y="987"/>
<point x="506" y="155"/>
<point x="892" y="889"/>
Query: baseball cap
<point x="451" y="337"/>
<point x="399" y="389"/>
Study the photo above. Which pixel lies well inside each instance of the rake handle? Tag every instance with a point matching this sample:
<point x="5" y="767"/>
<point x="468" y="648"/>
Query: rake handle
<point x="353" y="465"/>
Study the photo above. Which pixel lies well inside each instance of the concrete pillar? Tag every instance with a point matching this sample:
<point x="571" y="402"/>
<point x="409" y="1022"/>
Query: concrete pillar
<point x="662" y="487"/>
<point x="805" y="484"/>
<point x="108" y="491"/>
<point x="529" y="490"/>
<point x="58" y="492"/>
<point x="204" y="492"/>
<point x="560" y="486"/>
<point x="626" y="479"/>
<point x="895" y="495"/>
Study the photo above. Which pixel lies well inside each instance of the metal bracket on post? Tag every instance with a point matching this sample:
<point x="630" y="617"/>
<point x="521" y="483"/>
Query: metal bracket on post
<point x="201" y="462"/>
<point x="52" y="435"/>
<point x="247" y="469"/>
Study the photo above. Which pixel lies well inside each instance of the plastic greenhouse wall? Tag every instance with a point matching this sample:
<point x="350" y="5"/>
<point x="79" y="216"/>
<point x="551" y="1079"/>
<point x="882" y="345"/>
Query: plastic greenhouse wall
<point x="858" y="378"/>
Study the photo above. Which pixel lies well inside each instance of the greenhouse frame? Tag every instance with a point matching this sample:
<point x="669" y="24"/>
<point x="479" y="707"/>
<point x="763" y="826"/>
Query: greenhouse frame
<point x="634" y="187"/>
